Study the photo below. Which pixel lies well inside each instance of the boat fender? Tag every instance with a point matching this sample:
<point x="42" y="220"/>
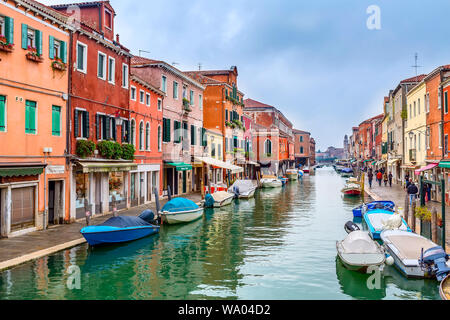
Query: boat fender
<point x="389" y="260"/>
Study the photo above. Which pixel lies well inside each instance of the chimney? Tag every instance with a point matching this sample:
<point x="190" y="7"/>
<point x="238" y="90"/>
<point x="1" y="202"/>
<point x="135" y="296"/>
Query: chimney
<point x="117" y="38"/>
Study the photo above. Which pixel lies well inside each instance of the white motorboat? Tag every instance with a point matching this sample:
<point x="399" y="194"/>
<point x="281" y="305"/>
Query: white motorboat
<point x="271" y="182"/>
<point x="358" y="251"/>
<point x="218" y="199"/>
<point x="407" y="249"/>
<point x="243" y="189"/>
<point x="292" y="174"/>
<point x="181" y="210"/>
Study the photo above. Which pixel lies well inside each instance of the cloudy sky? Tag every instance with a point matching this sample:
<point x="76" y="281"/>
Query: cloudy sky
<point x="316" y="61"/>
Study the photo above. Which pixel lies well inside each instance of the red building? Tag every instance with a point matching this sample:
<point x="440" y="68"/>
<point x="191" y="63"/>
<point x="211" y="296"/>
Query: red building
<point x="146" y="134"/>
<point x="99" y="111"/>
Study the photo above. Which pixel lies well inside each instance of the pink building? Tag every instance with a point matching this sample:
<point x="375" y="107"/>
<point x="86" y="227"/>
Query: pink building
<point x="183" y="133"/>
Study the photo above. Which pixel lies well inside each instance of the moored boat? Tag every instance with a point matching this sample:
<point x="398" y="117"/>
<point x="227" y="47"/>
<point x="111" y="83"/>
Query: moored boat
<point x="352" y="188"/>
<point x="359" y="252"/>
<point x="379" y="220"/>
<point x="181" y="210"/>
<point x="243" y="189"/>
<point x="121" y="229"/>
<point x="414" y="255"/>
<point x="359" y="211"/>
<point x="218" y="199"/>
<point x="292" y="174"/>
<point x="444" y="288"/>
<point x="346" y="172"/>
<point x="271" y="182"/>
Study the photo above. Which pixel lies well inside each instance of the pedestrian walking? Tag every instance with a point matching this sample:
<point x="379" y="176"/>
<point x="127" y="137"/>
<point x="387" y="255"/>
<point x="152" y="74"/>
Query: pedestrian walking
<point x="408" y="183"/>
<point x="385" y="179"/>
<point x="412" y="191"/>
<point x="379" y="177"/>
<point x="390" y="179"/>
<point x="370" y="177"/>
<point x="406" y="180"/>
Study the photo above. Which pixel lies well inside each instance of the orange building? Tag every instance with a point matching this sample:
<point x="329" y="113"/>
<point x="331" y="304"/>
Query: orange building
<point x="146" y="117"/>
<point x="34" y="184"/>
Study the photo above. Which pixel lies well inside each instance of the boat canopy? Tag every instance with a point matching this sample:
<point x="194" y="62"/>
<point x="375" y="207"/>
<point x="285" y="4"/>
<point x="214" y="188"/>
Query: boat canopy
<point x="179" y="205"/>
<point x="428" y="167"/>
<point x="243" y="186"/>
<point x="124" y="222"/>
<point x="359" y="242"/>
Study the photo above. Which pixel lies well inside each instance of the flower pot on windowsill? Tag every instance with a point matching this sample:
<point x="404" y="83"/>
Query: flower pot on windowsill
<point x="6" y="47"/>
<point x="33" y="57"/>
<point x="58" y="65"/>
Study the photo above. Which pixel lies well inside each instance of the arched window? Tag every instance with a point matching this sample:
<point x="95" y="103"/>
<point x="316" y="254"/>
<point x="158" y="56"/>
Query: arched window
<point x="268" y="147"/>
<point x="147" y="136"/>
<point x="141" y="136"/>
<point x="133" y="132"/>
<point x="159" y="138"/>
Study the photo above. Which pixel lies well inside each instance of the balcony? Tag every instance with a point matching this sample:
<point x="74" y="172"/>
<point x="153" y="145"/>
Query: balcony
<point x="412" y="155"/>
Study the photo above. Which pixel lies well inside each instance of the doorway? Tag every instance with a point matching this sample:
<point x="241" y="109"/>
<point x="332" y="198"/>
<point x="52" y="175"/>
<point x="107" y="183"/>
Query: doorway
<point x="55" y="202"/>
<point x="98" y="192"/>
<point x="184" y="182"/>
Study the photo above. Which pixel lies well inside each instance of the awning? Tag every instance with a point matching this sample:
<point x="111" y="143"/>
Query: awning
<point x="381" y="162"/>
<point x="368" y="160"/>
<point x="444" y="164"/>
<point x="21" y="171"/>
<point x="391" y="162"/>
<point x="220" y="164"/>
<point x="97" y="166"/>
<point x="428" y="167"/>
<point x="374" y="163"/>
<point x="180" y="166"/>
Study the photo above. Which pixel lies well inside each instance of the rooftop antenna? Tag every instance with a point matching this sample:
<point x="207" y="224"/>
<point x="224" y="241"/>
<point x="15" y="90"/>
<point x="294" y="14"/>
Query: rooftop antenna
<point x="415" y="66"/>
<point x="174" y="63"/>
<point x="142" y="51"/>
<point x="199" y="66"/>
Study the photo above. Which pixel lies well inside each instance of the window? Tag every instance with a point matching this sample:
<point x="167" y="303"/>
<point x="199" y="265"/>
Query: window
<point x="133" y="132"/>
<point x="440" y="135"/>
<point x="445" y="102"/>
<point x="414" y="108"/>
<point x="219" y="151"/>
<point x="175" y="90"/>
<point x="57" y="49"/>
<point x="30" y="117"/>
<point x="82" y="57"/>
<point x="81" y="124"/>
<point x="56" y="121"/>
<point x="184" y="92"/>
<point x="141" y="96"/>
<point x="410" y="111"/>
<point x="427" y="102"/>
<point x="31" y="41"/>
<point x="147" y="99"/>
<point x="177" y="131"/>
<point x="159" y="104"/>
<point x="446" y="144"/>
<point x="147" y="136"/>
<point x="133" y="93"/>
<point x="101" y="66"/>
<point x="164" y="84"/>
<point x="191" y="95"/>
<point x="2" y="26"/>
<point x="200" y="101"/>
<point x="268" y="147"/>
<point x="427" y="141"/>
<point x="193" y="131"/>
<point x="418" y="106"/>
<point x="111" y="70"/>
<point x="166" y="130"/>
<point x="159" y="138"/>
<point x="108" y="19"/>
<point x="213" y="150"/>
<point x="301" y="139"/>
<point x="2" y="113"/>
<point x="125" y="76"/>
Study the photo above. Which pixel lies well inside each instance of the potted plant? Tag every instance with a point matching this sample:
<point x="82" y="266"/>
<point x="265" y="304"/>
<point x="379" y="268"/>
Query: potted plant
<point x="33" y="55"/>
<point x="57" y="64"/>
<point x="85" y="148"/>
<point x="128" y="151"/>
<point x="4" y="45"/>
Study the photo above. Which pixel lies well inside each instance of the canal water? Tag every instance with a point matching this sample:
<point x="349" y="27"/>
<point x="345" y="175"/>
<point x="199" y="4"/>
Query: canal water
<point x="279" y="245"/>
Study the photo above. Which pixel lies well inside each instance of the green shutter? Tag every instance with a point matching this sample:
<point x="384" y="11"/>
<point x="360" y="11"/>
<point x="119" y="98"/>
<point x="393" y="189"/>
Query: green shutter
<point x="63" y="48"/>
<point x="30" y="117"/>
<point x="192" y="135"/>
<point x="2" y="113"/>
<point x="204" y="142"/>
<point x="38" y="39"/>
<point x="9" y="29"/>
<point x="51" y="47"/>
<point x="75" y="124"/>
<point x="446" y="102"/>
<point x="86" y="124"/>
<point x="24" y="36"/>
<point x="177" y="135"/>
<point x="56" y="121"/>
<point x="226" y="115"/>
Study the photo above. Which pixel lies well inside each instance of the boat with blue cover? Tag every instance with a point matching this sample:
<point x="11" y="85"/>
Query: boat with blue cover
<point x="378" y="220"/>
<point x="181" y="210"/>
<point x="359" y="211"/>
<point x="346" y="172"/>
<point x="121" y="229"/>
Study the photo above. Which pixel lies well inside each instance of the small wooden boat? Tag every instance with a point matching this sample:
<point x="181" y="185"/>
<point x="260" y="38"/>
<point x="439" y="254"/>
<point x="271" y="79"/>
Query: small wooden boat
<point x="243" y="189"/>
<point x="378" y="219"/>
<point x="292" y="174"/>
<point x="346" y="172"/>
<point x="415" y="256"/>
<point x="181" y="210"/>
<point x="121" y="229"/>
<point x="283" y="180"/>
<point x="358" y="251"/>
<point x="218" y="199"/>
<point x="352" y="188"/>
<point x="271" y="182"/>
<point x="444" y="288"/>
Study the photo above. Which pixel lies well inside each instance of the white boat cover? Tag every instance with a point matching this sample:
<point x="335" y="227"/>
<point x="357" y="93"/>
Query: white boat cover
<point x="359" y="242"/>
<point x="221" y="195"/>
<point x="244" y="186"/>
<point x="379" y="220"/>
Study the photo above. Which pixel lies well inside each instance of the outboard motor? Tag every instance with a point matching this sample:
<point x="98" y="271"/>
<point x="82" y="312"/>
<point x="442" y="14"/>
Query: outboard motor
<point x="209" y="201"/>
<point x="434" y="261"/>
<point x="350" y="227"/>
<point x="236" y="191"/>
<point x="148" y="216"/>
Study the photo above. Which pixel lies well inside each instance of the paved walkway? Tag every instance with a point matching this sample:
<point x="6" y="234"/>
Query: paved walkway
<point x="34" y="245"/>
<point x="397" y="194"/>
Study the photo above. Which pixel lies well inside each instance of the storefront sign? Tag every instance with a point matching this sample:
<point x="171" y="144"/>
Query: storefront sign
<point x="55" y="169"/>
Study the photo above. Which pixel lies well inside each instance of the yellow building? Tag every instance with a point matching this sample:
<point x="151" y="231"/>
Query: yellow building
<point x="415" y="130"/>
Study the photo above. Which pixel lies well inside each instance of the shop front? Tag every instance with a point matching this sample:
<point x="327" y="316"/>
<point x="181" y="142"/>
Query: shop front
<point x="177" y="176"/>
<point x="99" y="186"/>
<point x="19" y="198"/>
<point x="142" y="182"/>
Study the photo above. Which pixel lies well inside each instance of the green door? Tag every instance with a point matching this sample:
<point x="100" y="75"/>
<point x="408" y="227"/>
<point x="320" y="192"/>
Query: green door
<point x="184" y="181"/>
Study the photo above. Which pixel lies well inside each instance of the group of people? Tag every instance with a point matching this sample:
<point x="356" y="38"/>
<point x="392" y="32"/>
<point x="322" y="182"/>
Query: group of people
<point x="380" y="175"/>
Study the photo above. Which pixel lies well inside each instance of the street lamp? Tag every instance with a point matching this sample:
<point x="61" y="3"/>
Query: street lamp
<point x="118" y="119"/>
